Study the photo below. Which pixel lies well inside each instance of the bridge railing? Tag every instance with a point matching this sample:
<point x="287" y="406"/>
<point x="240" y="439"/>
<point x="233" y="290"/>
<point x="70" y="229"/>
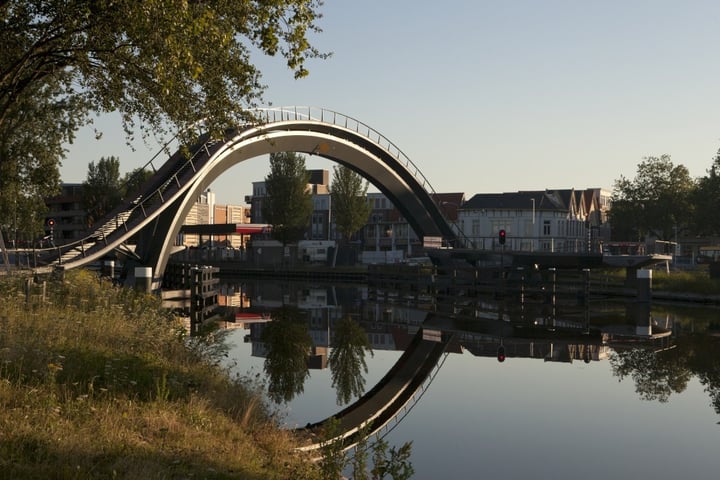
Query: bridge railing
<point x="400" y="416"/>
<point x="170" y="178"/>
<point x="292" y="113"/>
<point x="278" y="114"/>
<point x="178" y="170"/>
<point x="549" y="244"/>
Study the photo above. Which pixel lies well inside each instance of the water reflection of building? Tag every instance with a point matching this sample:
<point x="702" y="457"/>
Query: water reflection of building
<point x="391" y="323"/>
<point x="547" y="350"/>
<point x="233" y="295"/>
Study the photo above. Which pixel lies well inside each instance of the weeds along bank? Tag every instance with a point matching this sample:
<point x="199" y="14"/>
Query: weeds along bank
<point x="99" y="381"/>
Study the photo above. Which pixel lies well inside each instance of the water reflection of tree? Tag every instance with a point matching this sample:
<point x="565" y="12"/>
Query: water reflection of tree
<point x="288" y="344"/>
<point x="659" y="374"/>
<point x="347" y="359"/>
<point x="656" y="375"/>
<point x="705" y="361"/>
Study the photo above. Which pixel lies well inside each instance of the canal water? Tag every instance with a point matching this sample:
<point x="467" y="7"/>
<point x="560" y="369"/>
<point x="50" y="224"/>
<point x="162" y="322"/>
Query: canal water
<point x="586" y="392"/>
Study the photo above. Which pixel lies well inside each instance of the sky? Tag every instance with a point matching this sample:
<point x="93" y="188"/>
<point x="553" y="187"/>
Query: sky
<point x="497" y="96"/>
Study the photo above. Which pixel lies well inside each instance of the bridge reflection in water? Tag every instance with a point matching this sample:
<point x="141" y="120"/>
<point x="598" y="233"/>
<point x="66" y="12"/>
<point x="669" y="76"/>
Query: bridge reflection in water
<point x="428" y="329"/>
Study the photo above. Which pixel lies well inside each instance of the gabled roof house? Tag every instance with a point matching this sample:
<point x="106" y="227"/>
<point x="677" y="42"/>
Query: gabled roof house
<point x="558" y="220"/>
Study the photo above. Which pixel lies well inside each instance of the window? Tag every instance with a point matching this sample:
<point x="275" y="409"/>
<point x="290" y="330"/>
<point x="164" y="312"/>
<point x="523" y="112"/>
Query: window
<point x="546" y="227"/>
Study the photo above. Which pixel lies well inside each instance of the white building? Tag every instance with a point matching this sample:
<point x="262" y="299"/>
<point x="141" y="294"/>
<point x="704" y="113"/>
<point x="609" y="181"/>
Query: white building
<point x="549" y="221"/>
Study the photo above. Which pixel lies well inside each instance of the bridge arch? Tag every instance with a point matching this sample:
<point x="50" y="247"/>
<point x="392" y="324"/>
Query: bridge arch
<point x="162" y="204"/>
<point x="366" y="152"/>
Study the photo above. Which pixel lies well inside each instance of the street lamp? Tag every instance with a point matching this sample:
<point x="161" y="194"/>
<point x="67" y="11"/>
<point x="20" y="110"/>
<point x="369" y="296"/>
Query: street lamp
<point x="329" y="214"/>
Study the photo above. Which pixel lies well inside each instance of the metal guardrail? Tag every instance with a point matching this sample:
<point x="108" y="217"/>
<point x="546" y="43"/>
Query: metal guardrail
<point x="390" y="425"/>
<point x="322" y="115"/>
<point x="125" y="219"/>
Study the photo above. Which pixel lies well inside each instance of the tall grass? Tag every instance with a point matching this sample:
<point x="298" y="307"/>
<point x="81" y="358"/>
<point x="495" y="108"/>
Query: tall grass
<point x="695" y="281"/>
<point x="99" y="382"/>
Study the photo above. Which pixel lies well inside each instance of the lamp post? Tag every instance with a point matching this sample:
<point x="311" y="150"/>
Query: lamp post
<point x="329" y="216"/>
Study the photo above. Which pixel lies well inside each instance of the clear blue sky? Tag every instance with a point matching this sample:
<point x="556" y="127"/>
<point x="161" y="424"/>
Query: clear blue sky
<point x="503" y="95"/>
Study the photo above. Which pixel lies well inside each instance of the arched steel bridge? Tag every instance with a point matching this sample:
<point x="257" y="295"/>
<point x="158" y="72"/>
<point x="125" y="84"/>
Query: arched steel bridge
<point x="155" y="214"/>
<point x="380" y="409"/>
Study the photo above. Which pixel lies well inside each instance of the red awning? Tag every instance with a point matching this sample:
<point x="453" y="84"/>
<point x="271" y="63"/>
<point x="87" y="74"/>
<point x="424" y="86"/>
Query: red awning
<point x="250" y="228"/>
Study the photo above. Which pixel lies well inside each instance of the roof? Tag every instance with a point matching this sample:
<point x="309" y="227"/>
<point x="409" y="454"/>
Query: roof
<point x="524" y="200"/>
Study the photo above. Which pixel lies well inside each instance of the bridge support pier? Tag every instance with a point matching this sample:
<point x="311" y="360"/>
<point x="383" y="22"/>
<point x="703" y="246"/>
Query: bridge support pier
<point x="143" y="279"/>
<point x="643" y="320"/>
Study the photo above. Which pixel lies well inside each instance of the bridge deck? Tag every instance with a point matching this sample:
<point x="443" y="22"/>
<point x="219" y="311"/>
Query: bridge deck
<point x="379" y="405"/>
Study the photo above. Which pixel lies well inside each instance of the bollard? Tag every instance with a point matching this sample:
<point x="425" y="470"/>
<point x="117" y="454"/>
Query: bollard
<point x="143" y="279"/>
<point x="108" y="269"/>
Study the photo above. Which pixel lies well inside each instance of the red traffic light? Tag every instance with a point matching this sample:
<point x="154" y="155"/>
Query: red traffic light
<point x="501" y="354"/>
<point x="502" y="236"/>
<point x="51" y="222"/>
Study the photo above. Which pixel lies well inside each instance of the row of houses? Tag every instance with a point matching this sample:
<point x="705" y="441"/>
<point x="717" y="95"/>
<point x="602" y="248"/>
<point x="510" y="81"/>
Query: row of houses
<point x="566" y="220"/>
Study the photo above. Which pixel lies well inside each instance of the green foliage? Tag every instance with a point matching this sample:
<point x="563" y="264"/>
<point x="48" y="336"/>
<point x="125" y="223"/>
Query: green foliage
<point x="696" y="281"/>
<point x="395" y="462"/>
<point x="288" y="204"/>
<point x="655" y="203"/>
<point x="333" y="459"/>
<point x="162" y="64"/>
<point x="707" y="201"/>
<point x="132" y="181"/>
<point x="32" y="133"/>
<point x="386" y="461"/>
<point x="654" y="377"/>
<point x="101" y="190"/>
<point x="347" y="359"/>
<point x="349" y="201"/>
<point x="288" y="345"/>
<point x="97" y="382"/>
<point x="158" y="61"/>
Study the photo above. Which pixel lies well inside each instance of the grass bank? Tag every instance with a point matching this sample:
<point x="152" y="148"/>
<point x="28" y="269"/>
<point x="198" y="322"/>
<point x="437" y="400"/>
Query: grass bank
<point x="694" y="283"/>
<point x="691" y="281"/>
<point x="100" y="382"/>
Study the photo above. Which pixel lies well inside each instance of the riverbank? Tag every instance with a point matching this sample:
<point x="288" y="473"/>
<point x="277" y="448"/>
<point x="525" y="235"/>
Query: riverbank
<point x="100" y="382"/>
<point x="681" y="286"/>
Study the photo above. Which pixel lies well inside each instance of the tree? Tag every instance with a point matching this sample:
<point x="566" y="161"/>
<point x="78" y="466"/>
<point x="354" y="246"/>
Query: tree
<point x="288" y="345"/>
<point x="132" y="181"/>
<point x="655" y="203"/>
<point x="29" y="157"/>
<point x="349" y="201"/>
<point x="656" y="374"/>
<point x="101" y="191"/>
<point x="707" y="201"/>
<point x="288" y="204"/>
<point x="155" y="61"/>
<point x="347" y="359"/>
<point x="162" y="64"/>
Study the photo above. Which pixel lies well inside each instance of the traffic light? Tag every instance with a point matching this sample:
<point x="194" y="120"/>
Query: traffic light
<point x="502" y="236"/>
<point x="51" y="223"/>
<point x="501" y="354"/>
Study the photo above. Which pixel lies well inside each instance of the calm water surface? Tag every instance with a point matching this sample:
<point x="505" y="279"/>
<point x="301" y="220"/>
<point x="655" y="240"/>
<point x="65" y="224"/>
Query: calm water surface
<point x="544" y="417"/>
